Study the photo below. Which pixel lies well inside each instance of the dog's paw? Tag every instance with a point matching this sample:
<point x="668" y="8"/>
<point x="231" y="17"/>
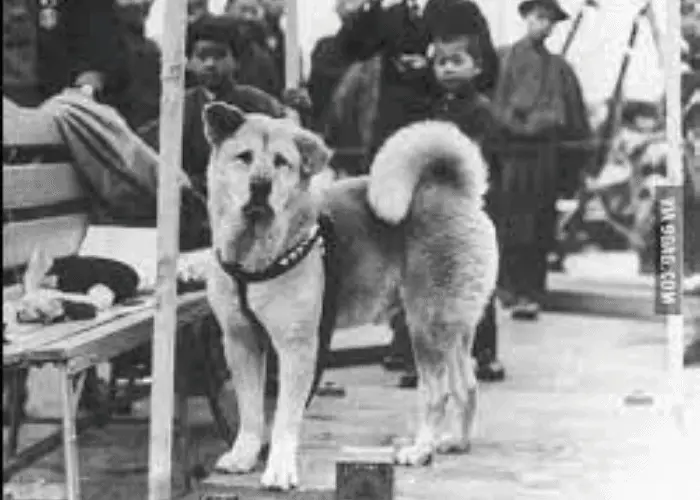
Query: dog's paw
<point x="414" y="455"/>
<point x="281" y="472"/>
<point x="241" y="459"/>
<point x="449" y="444"/>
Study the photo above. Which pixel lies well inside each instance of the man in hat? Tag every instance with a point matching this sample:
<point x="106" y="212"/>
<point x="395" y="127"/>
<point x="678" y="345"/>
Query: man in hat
<point x="539" y="101"/>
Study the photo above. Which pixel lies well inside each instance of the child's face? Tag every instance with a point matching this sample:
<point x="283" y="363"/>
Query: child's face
<point x="212" y="63"/>
<point x="453" y="65"/>
<point x="247" y="10"/>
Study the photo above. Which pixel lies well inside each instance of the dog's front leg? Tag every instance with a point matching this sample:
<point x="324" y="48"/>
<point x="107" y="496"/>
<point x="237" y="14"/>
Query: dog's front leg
<point x="246" y="360"/>
<point x="297" y="347"/>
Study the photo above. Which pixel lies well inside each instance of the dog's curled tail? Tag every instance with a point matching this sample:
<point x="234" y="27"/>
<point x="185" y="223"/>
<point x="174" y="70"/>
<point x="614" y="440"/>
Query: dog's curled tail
<point x="427" y="153"/>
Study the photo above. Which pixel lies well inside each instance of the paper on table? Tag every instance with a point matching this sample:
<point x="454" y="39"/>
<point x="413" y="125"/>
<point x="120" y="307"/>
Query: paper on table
<point x="135" y="247"/>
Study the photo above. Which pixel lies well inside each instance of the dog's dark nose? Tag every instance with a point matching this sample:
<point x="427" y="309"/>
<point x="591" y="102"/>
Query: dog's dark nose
<point x="260" y="190"/>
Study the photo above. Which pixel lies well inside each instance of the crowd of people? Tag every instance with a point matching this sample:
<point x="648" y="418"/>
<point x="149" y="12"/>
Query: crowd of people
<point x="390" y="63"/>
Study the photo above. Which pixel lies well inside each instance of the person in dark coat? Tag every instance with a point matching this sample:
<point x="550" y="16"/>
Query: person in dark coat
<point x="540" y="101"/>
<point x="276" y="38"/>
<point x="400" y="34"/>
<point x="259" y="66"/>
<point x="457" y="64"/>
<point x="139" y="100"/>
<point x="51" y="46"/>
<point x="329" y="63"/>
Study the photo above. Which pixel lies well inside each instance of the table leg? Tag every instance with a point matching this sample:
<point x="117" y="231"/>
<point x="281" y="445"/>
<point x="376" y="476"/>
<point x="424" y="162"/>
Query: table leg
<point x="183" y="441"/>
<point x="69" y="396"/>
<point x="16" y="409"/>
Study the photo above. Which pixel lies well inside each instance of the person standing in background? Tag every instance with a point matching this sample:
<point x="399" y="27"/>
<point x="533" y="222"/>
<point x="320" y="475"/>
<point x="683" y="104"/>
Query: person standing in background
<point x="539" y="100"/>
<point x="139" y="100"/>
<point x="458" y="61"/>
<point x="258" y="66"/>
<point x="276" y="41"/>
<point x="329" y="63"/>
<point x="51" y="45"/>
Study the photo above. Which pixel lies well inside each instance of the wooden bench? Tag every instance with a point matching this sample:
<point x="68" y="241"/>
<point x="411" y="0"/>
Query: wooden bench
<point x="73" y="348"/>
<point x="45" y="205"/>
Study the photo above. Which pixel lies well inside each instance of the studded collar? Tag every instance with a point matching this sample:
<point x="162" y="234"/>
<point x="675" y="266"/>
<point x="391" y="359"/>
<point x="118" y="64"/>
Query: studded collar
<point x="288" y="260"/>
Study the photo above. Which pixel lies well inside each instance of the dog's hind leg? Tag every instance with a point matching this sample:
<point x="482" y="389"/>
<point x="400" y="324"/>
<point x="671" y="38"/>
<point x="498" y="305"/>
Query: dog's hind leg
<point x="246" y="360"/>
<point x="434" y="391"/>
<point x="464" y="392"/>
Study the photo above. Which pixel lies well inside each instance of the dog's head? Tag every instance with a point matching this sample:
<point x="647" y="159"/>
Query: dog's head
<point x="259" y="176"/>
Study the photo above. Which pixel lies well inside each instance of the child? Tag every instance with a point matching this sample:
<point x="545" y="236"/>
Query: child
<point x="459" y="56"/>
<point x="457" y="63"/>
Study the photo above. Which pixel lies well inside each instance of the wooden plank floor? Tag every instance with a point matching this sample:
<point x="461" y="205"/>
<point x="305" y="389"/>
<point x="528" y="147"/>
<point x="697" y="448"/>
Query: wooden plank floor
<point x="557" y="428"/>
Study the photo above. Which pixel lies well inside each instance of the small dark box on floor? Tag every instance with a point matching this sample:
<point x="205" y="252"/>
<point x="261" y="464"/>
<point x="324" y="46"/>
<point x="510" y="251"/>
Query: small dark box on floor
<point x="364" y="481"/>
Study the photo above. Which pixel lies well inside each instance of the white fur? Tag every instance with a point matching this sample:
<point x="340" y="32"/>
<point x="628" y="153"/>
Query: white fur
<point x="397" y="168"/>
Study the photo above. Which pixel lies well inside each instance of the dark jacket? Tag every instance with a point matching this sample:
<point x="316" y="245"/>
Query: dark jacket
<point x="257" y="64"/>
<point x="276" y="44"/>
<point x="406" y="92"/>
<point x="74" y="37"/>
<point x="139" y="100"/>
<point x="328" y="66"/>
<point x="351" y="115"/>
<point x="475" y="116"/>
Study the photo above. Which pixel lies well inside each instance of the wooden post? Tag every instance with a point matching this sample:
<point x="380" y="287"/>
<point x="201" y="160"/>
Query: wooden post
<point x="292" y="63"/>
<point x="674" y="322"/>
<point x="656" y="33"/>
<point x="164" y="341"/>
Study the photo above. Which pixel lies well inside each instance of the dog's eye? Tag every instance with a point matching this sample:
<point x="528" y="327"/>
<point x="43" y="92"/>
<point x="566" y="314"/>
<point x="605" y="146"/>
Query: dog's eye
<point x="280" y="161"/>
<point x="245" y="157"/>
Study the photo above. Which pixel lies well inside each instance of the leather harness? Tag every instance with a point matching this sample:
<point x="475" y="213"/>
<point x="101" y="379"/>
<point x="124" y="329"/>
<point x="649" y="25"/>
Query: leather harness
<point x="322" y="232"/>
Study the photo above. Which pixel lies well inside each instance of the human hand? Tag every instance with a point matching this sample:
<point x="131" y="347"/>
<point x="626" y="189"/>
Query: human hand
<point x="297" y="98"/>
<point x="90" y="83"/>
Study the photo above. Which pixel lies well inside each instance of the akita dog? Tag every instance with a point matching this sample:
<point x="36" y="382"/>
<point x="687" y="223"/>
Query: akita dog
<point x="413" y="229"/>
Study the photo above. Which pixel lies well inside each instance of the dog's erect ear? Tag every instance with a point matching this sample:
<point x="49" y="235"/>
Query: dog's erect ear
<point x="221" y="121"/>
<point x="314" y="152"/>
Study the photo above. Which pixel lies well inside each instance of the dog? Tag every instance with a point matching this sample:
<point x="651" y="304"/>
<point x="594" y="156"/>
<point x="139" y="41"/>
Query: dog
<point x="414" y="229"/>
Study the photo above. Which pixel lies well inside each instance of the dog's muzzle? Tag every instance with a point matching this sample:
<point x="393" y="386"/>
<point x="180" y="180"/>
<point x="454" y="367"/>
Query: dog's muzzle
<point x="257" y="207"/>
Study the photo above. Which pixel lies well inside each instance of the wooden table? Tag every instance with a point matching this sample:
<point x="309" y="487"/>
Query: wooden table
<point x="74" y="347"/>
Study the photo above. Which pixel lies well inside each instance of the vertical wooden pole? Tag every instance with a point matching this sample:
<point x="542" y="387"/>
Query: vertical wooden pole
<point x="656" y="33"/>
<point x="164" y="341"/>
<point x="674" y="322"/>
<point x="292" y="66"/>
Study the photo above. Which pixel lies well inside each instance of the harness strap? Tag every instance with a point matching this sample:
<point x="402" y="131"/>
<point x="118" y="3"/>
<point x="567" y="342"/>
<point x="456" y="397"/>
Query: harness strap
<point x="329" y="308"/>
